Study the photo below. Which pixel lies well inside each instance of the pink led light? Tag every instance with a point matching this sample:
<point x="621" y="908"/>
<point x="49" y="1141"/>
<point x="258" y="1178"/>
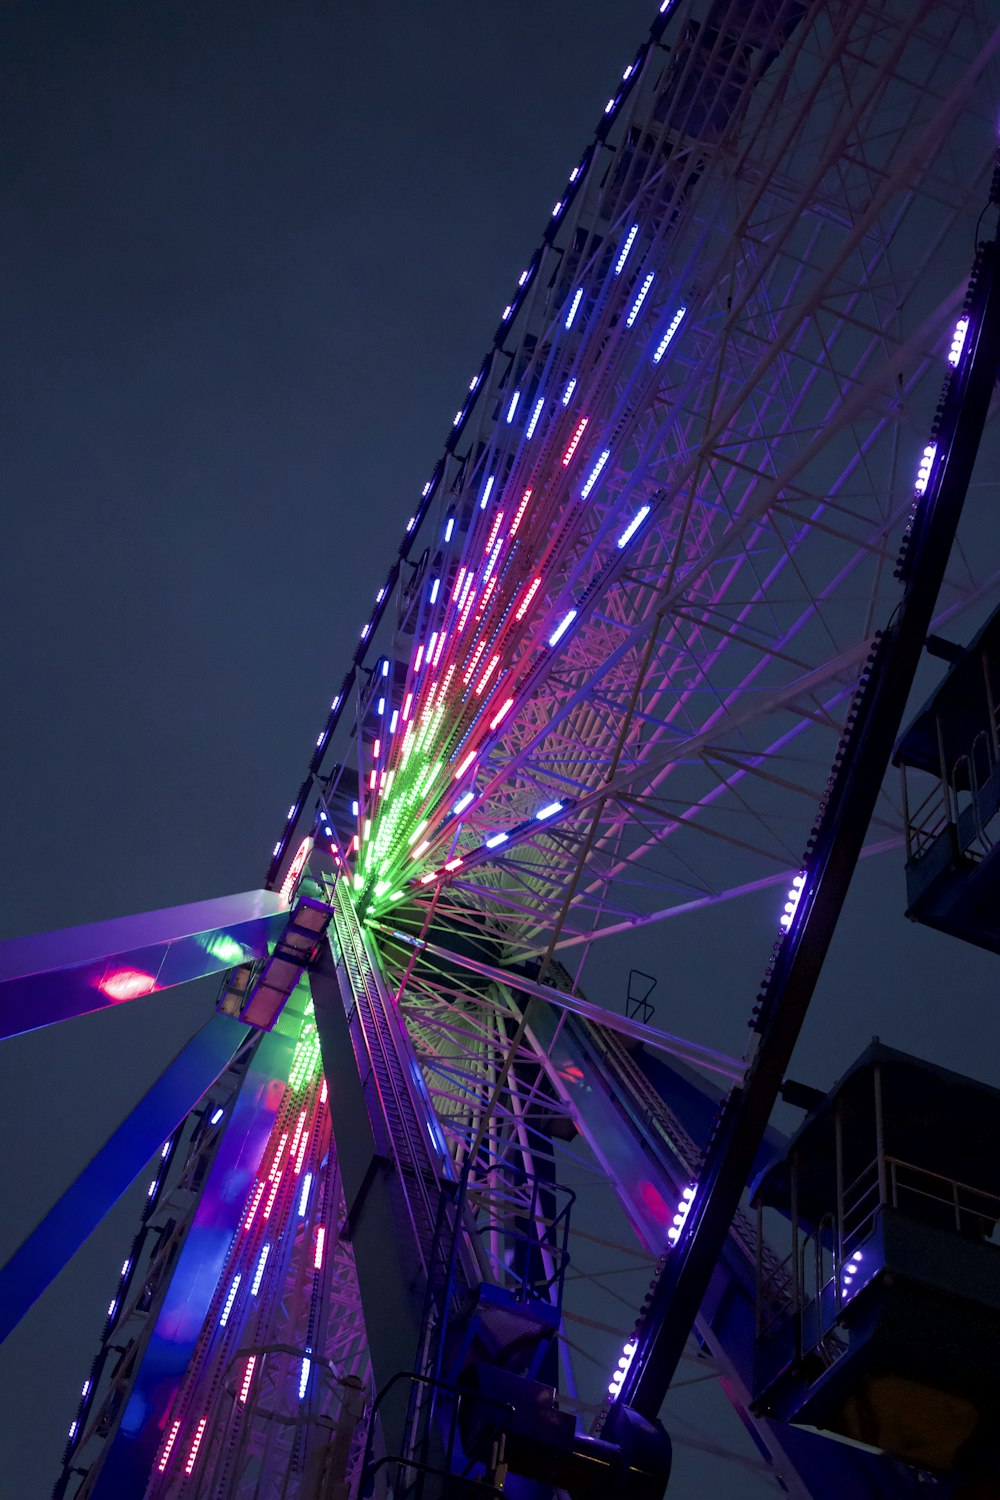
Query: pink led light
<point x="474" y="663"/>
<point x="467" y="762"/>
<point x="323" y="1093"/>
<point x="417" y="660"/>
<point x="464" y="616"/>
<point x="440" y="646"/>
<point x="453" y="864"/>
<point x="407" y="705"/>
<point x="574" y="441"/>
<point x="255" y="1204"/>
<point x="458" y="585"/>
<point x="271" y="1196"/>
<point x="426" y="879"/>
<point x="199" y="1434"/>
<point x="126" y="984"/>
<point x="247" y="1377"/>
<point x="520" y="512"/>
<point x="486" y="598"/>
<point x="298" y="1134"/>
<point x="501" y="713"/>
<point x="498" y="521"/>
<point x="372" y="779"/>
<point x="302" y="1154"/>
<point x="277" y="1157"/>
<point x="493" y="664"/>
<point x="354" y="845"/>
<point x="533" y="588"/>
<point x="169" y="1446"/>
<point x="377" y="749"/>
<point x="318" y="1257"/>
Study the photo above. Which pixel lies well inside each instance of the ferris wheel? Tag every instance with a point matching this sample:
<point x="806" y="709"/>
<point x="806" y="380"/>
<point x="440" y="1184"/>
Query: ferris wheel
<point x="600" y="689"/>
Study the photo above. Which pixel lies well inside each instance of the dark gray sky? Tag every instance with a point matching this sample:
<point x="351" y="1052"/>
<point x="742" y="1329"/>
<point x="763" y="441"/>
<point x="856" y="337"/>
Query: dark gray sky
<point x="251" y="255"/>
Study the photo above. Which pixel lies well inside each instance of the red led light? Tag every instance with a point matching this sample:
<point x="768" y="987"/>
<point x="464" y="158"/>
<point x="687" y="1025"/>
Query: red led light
<point x="426" y="879"/>
<point x="318" y="1257"/>
<point x="295" y="870"/>
<point x="127" y="984"/>
<point x="467" y="762"/>
<point x="453" y="864"/>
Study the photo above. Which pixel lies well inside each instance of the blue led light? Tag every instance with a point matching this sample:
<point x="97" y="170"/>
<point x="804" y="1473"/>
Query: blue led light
<point x="562" y="628"/>
<point x="487" y="491"/>
<point x="567" y="393"/>
<point x="217" y="1116"/>
<point x="449" y="529"/>
<point x="574" y="306"/>
<point x="463" y="802"/>
<point x="385" y="667"/>
<point x="434" y="593"/>
<point x="530" y="430"/>
<point x="633" y="526"/>
<point x="512" y="408"/>
<point x="496" y="840"/>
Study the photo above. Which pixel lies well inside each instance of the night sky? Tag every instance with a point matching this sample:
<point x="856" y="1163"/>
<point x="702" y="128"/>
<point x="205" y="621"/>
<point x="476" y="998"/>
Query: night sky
<point x="251" y="256"/>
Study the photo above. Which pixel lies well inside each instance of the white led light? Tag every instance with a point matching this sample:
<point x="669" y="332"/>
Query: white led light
<point x="633" y="526"/>
<point x="574" y="306"/>
<point x="463" y="802"/>
<point x="640" y="299"/>
<point x="626" y="247"/>
<point x="304" y="1195"/>
<point x="567" y="393"/>
<point x="512" y="408"/>
<point x="924" y="468"/>
<point x="548" y="811"/>
<point x="258" y="1275"/>
<point x="487" y="490"/>
<point x="595" y="474"/>
<point x="562" y="628"/>
<point x="530" y="429"/>
<point x="672" y="327"/>
<point x="496" y="840"/>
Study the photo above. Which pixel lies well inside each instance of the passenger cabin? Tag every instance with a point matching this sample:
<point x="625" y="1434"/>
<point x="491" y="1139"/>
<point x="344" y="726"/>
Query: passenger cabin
<point x="882" y="1324"/>
<point x="950" y="762"/>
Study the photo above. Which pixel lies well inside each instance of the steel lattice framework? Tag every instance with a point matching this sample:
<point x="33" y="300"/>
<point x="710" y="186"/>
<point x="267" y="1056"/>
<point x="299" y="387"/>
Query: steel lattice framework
<point x="607" y="674"/>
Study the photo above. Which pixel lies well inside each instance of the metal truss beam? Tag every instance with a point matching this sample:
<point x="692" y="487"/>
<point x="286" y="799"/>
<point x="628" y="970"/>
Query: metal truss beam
<point x="54" y="976"/>
<point x="83" y="1205"/>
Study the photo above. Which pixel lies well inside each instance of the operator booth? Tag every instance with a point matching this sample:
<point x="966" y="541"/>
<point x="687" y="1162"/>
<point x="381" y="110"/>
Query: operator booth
<point x="882" y="1323"/>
